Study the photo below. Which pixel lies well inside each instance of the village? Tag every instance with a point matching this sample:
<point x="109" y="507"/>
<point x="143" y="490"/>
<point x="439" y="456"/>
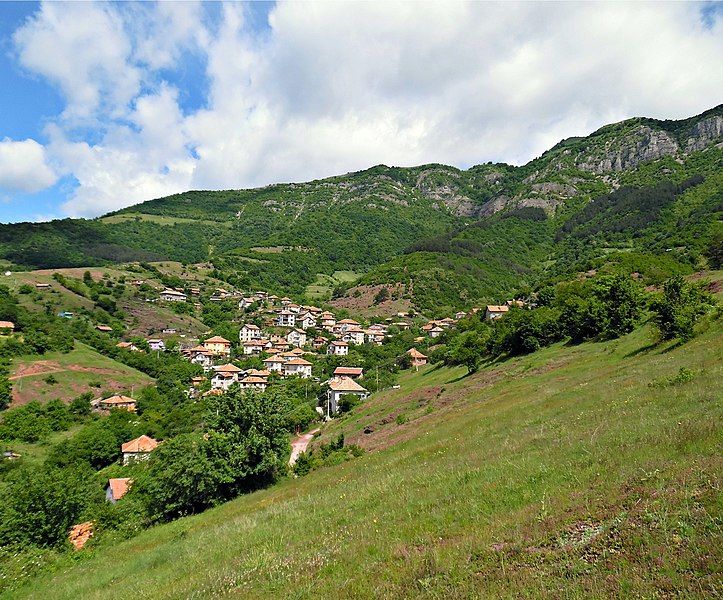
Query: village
<point x="277" y="344"/>
<point x="287" y="338"/>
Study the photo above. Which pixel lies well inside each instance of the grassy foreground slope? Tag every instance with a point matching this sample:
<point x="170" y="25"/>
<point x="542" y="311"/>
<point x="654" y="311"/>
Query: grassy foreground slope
<point x="587" y="471"/>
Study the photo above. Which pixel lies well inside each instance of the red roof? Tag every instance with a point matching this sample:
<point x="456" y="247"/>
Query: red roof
<point x="298" y="361"/>
<point x="351" y="371"/>
<point x="217" y="339"/>
<point x="119" y="487"/>
<point x="140" y="444"/>
<point x="229" y="368"/>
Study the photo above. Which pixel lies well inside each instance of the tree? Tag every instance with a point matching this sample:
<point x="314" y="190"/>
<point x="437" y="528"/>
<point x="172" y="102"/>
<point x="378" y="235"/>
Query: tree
<point x="467" y="350"/>
<point x="6" y="392"/>
<point x="246" y="446"/>
<point x="680" y="307"/>
<point x="381" y="296"/>
<point x="38" y="504"/>
<point x="714" y="250"/>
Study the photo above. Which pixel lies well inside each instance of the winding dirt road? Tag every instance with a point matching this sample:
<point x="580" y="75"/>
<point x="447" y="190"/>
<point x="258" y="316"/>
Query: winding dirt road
<point x="299" y="445"/>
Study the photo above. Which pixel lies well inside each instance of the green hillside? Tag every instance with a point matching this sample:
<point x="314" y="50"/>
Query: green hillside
<point x="590" y="471"/>
<point x="511" y="225"/>
<point x="73" y="373"/>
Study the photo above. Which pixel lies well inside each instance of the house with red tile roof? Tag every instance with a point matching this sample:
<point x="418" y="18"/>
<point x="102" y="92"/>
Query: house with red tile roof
<point x="138" y="449"/>
<point x="117" y="488"/>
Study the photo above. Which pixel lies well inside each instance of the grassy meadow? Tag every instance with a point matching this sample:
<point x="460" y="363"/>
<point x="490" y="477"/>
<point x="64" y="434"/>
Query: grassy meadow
<point x="584" y="471"/>
<point x="73" y="373"/>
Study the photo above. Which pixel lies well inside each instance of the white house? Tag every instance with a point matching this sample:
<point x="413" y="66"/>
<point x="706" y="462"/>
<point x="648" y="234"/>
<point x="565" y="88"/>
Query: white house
<point x="338" y="348"/>
<point x="345" y="324"/>
<point x="436" y="331"/>
<point x="249" y="332"/>
<point x="203" y="359"/>
<point x="155" y="344"/>
<point x="495" y="312"/>
<point x="328" y="320"/>
<point x="274" y="364"/>
<point x="286" y="318"/>
<point x="297" y="366"/>
<point x="138" y="449"/>
<point x="225" y="376"/>
<point x="172" y="296"/>
<point x="374" y="336"/>
<point x="341" y="386"/>
<point x="353" y="335"/>
<point x="244" y="303"/>
<point x="256" y="346"/>
<point x="254" y="383"/>
<point x="296" y="337"/>
<point x="306" y="321"/>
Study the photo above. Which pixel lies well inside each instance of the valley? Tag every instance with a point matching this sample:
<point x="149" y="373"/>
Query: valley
<point x="505" y="380"/>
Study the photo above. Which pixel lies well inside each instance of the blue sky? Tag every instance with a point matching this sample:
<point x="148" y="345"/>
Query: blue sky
<point x="107" y="105"/>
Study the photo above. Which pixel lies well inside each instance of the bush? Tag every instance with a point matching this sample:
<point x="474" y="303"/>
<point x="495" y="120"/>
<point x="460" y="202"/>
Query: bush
<point x="680" y="307"/>
<point x="38" y="505"/>
<point x="25" y="423"/>
<point x="348" y="402"/>
<point x="6" y="392"/>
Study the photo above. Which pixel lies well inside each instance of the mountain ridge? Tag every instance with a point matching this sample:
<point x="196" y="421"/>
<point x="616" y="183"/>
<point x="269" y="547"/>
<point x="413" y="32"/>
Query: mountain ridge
<point x="368" y="221"/>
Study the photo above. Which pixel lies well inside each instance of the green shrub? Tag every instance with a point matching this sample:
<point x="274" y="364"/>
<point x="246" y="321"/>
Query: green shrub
<point x="680" y="307"/>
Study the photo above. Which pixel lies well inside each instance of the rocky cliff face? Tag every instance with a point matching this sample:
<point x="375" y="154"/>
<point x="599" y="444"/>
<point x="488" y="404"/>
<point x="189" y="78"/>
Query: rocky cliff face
<point x="442" y="186"/>
<point x="642" y="145"/>
<point x="706" y="132"/>
<point x="565" y="172"/>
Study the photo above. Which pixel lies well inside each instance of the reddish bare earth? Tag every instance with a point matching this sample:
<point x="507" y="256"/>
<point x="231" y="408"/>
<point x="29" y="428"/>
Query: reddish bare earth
<point x="44" y="367"/>
<point x="360" y="300"/>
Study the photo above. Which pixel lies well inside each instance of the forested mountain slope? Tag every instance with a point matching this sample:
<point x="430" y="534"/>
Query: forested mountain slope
<point x="465" y="234"/>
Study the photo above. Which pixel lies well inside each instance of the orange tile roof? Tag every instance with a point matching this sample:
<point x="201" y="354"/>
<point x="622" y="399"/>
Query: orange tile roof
<point x="273" y="359"/>
<point x="140" y="444"/>
<point x="354" y="371"/>
<point x="345" y="384"/>
<point x="217" y="339"/>
<point x="414" y="353"/>
<point x="119" y="486"/>
<point x="494" y="308"/>
<point x="252" y="379"/>
<point x="118" y="399"/>
<point x="228" y="368"/>
<point x="298" y="361"/>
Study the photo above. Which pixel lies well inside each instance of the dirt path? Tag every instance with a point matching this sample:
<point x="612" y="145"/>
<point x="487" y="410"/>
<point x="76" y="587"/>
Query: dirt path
<point x="299" y="445"/>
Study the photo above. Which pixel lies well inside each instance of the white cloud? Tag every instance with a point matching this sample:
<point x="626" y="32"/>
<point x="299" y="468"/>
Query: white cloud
<point x="23" y="166"/>
<point x="82" y="48"/>
<point x="334" y="87"/>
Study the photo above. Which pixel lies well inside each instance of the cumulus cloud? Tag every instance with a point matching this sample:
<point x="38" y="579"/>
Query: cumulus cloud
<point x="24" y="167"/>
<point x="334" y="87"/>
